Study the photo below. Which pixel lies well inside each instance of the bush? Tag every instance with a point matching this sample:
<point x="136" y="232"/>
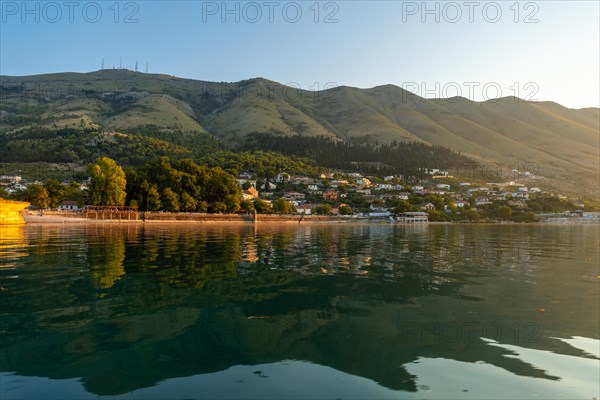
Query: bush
<point x="322" y="209"/>
<point x="530" y="217"/>
<point x="345" y="210"/>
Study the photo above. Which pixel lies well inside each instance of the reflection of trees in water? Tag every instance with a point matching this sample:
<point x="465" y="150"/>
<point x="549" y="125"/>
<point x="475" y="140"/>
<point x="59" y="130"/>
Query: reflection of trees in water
<point x="183" y="258"/>
<point x="105" y="261"/>
<point x="197" y="300"/>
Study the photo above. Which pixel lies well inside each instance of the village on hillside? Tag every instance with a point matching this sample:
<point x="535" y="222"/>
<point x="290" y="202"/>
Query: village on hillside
<point x="437" y="197"/>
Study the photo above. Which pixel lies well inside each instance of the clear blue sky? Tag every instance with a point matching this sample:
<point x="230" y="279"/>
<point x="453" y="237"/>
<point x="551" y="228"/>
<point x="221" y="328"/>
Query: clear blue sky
<point x="543" y="50"/>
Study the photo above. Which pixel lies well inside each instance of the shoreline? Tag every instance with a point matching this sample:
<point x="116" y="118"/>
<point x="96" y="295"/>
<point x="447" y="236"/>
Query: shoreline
<point x="230" y="220"/>
<point x="278" y="220"/>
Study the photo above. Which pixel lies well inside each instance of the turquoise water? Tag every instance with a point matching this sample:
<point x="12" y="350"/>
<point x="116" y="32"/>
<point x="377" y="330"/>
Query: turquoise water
<point x="300" y="312"/>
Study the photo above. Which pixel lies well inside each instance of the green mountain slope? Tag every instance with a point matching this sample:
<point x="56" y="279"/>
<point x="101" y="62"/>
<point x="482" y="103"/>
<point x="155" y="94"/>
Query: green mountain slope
<point x="561" y="145"/>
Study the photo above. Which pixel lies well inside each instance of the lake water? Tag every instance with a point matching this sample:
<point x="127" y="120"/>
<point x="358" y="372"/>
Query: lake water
<point x="300" y="312"/>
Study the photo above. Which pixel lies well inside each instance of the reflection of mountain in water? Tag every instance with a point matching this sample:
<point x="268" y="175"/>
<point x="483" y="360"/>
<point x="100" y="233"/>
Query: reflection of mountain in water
<point x="125" y="308"/>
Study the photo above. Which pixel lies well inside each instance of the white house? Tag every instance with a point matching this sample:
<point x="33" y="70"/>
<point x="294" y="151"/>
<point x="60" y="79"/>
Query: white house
<point x="69" y="206"/>
<point x="302" y="180"/>
<point x="440" y="192"/>
<point x="241" y="181"/>
<point x="338" y="182"/>
<point x="521" y="195"/>
<point x="378" y="211"/>
<point x="282" y="177"/>
<point x="11" y="178"/>
<point x="294" y="196"/>
<point x="385" y="186"/>
<point x="270" y="186"/>
<point x="305" y="209"/>
<point x="427" y="206"/>
<point x="377" y="208"/>
<point x="413" y="217"/>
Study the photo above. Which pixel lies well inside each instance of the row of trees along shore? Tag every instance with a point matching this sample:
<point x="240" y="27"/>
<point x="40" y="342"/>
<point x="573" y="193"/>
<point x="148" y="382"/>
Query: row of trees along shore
<point x="184" y="186"/>
<point x="164" y="185"/>
<point x="157" y="186"/>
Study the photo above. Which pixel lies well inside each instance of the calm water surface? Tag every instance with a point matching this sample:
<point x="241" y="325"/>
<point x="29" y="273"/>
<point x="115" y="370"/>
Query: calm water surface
<point x="303" y="312"/>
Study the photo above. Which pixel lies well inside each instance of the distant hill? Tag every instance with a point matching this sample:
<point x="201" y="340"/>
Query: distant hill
<point x="558" y="144"/>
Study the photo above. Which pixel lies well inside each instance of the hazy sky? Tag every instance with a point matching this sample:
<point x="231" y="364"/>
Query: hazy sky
<point x="542" y="50"/>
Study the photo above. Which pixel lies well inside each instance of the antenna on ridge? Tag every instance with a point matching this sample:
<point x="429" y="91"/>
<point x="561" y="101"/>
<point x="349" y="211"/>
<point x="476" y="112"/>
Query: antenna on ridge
<point x="120" y="62"/>
<point x="102" y="63"/>
<point x="146" y="67"/>
<point x="136" y="67"/>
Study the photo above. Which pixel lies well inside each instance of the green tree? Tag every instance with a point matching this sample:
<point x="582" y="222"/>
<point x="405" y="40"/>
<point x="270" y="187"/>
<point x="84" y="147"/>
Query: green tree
<point x="219" y="207"/>
<point x="137" y="186"/>
<point x="402" y="207"/>
<point x="281" y="206"/>
<point x="262" y="207"/>
<point x="202" y="206"/>
<point x="323" y="209"/>
<point x="436" y="200"/>
<point x="518" y="217"/>
<point x="187" y="202"/>
<point x="345" y="210"/>
<point x="170" y="200"/>
<point x="472" y="214"/>
<point x="247" y="206"/>
<point x="530" y="217"/>
<point x="436" y="215"/>
<point x="222" y="187"/>
<point x="56" y="193"/>
<point x="504" y="213"/>
<point x="73" y="192"/>
<point x="108" y="183"/>
<point x="153" y="199"/>
<point x="38" y="196"/>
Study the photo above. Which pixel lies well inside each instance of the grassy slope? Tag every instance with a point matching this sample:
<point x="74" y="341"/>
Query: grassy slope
<point x="563" y="143"/>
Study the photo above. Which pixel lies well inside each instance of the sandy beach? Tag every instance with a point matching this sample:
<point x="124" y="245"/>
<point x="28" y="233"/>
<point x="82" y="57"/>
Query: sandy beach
<point x="54" y="219"/>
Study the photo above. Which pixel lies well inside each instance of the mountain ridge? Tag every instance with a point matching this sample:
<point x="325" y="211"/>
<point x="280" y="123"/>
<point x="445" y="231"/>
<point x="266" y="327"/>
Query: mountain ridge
<point x="562" y="142"/>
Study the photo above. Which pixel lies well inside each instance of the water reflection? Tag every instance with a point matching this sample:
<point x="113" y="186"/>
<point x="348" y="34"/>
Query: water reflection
<point x="105" y="260"/>
<point x="12" y="244"/>
<point x="125" y="307"/>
